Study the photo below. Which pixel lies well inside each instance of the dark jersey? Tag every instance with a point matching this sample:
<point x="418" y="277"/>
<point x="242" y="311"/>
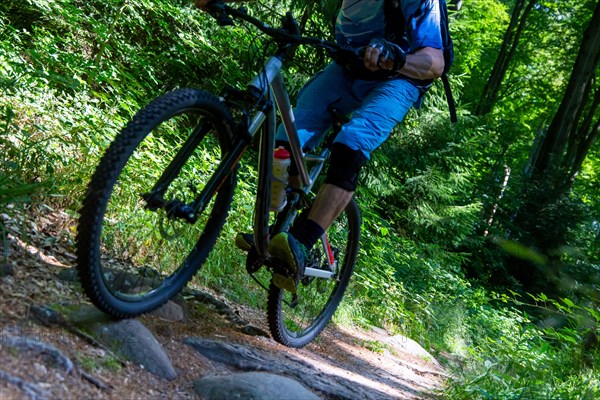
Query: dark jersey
<point x="359" y="21"/>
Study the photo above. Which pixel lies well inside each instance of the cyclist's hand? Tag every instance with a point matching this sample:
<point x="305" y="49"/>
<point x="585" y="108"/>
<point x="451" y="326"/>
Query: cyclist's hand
<point x="381" y="54"/>
<point x="201" y="4"/>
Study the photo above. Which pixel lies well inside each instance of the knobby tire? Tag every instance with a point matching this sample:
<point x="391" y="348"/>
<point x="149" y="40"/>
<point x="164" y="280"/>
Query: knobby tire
<point x="293" y="327"/>
<point x="104" y="262"/>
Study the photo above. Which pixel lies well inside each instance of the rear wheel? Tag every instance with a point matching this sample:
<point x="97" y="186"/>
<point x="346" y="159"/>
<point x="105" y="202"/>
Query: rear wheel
<point x="295" y="320"/>
<point x="138" y="242"/>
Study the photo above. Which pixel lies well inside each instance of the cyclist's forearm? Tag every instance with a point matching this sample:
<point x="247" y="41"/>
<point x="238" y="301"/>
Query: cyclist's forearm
<point x="426" y="63"/>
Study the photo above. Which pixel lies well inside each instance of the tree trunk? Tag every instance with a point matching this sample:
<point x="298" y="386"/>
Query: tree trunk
<point x="546" y="212"/>
<point x="568" y="139"/>
<point x="581" y="143"/>
<point x="512" y="36"/>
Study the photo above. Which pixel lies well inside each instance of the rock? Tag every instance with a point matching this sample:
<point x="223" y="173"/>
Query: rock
<point x="40" y="368"/>
<point x="236" y="355"/>
<point x="409" y="346"/>
<point x="249" y="358"/>
<point x="251" y="386"/>
<point x="207" y="298"/>
<point x="32" y="390"/>
<point x="254" y="331"/>
<point x="46" y="315"/>
<point x="6" y="270"/>
<point x="239" y="321"/>
<point x="33" y="345"/>
<point x="82" y="316"/>
<point x="171" y="311"/>
<point x="133" y="341"/>
<point x="68" y="275"/>
<point x="228" y="312"/>
<point x="129" y="339"/>
<point x="379" y="331"/>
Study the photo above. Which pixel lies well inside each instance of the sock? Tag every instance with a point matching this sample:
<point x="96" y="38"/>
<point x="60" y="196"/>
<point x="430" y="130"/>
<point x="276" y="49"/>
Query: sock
<point x="298" y="225"/>
<point x="308" y="232"/>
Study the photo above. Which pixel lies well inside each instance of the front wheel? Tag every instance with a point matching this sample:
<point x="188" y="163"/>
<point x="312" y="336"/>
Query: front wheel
<point x="138" y="242"/>
<point x="295" y="320"/>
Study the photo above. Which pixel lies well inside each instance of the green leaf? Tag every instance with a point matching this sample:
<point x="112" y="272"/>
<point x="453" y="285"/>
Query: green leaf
<point x="568" y="302"/>
<point x="520" y="251"/>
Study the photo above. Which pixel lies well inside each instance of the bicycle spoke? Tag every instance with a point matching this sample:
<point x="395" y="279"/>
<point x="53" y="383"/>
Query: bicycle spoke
<point x="295" y="322"/>
<point x="137" y="247"/>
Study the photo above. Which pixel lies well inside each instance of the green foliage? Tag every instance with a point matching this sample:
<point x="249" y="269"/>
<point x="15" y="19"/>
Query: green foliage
<point x="511" y="357"/>
<point x="72" y="73"/>
<point x="96" y="364"/>
<point x="477" y="32"/>
<point x="404" y="285"/>
<point x="375" y="346"/>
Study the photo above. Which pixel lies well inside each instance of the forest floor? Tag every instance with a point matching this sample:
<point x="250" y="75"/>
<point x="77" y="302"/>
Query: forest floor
<point x="40" y="245"/>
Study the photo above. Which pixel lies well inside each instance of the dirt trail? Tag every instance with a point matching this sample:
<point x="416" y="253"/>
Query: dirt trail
<point x="39" y="249"/>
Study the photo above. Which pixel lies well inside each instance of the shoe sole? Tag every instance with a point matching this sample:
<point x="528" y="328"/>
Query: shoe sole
<point x="284" y="282"/>
<point x="280" y="250"/>
<point x="241" y="243"/>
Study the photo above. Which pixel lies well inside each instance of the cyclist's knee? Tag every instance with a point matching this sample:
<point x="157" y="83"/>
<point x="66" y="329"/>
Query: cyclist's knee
<point x="345" y="166"/>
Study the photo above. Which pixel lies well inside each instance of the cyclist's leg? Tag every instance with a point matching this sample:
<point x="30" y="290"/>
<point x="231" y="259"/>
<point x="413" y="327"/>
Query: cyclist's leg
<point x="312" y="117"/>
<point x="385" y="104"/>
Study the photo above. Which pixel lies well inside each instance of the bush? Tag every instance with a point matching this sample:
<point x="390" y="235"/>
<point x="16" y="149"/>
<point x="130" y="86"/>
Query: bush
<point x="511" y="357"/>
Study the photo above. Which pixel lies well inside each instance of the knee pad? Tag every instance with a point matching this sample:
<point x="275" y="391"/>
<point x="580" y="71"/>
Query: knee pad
<point x="344" y="166"/>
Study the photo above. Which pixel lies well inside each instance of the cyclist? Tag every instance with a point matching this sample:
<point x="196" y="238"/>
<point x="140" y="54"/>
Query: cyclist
<point x="398" y="66"/>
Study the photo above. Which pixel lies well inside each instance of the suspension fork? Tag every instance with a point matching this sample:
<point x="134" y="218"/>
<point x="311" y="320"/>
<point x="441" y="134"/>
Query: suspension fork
<point x="189" y="212"/>
<point x="263" y="191"/>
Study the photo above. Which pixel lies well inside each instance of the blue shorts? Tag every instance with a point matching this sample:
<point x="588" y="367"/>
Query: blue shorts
<point x="376" y="108"/>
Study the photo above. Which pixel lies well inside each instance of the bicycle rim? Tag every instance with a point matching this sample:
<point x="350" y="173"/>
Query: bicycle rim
<point x="131" y="257"/>
<point x="295" y="322"/>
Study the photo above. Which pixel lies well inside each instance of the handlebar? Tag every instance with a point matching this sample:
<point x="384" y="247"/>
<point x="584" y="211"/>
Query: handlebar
<point x="289" y="33"/>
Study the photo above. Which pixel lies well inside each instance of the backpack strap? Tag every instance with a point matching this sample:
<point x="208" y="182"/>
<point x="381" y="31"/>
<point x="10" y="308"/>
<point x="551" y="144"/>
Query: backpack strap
<point x="449" y="97"/>
<point x="394" y="21"/>
<point x="395" y="24"/>
<point x="448" y="58"/>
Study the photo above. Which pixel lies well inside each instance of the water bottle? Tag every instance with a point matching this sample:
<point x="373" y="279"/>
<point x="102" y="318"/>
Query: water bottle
<point x="281" y="165"/>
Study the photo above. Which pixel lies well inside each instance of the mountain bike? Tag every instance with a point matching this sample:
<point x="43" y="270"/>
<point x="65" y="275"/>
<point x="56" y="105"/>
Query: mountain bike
<point x="161" y="193"/>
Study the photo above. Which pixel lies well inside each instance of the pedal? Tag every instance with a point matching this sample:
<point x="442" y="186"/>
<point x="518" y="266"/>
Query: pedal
<point x="253" y="262"/>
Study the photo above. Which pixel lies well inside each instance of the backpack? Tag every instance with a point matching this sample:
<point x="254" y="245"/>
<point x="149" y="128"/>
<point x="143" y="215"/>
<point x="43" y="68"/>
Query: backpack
<point x="395" y="23"/>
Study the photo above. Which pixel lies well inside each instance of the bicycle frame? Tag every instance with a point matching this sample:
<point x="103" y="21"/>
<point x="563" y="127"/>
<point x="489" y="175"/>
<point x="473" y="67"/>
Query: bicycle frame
<point x="266" y="85"/>
<point x="270" y="82"/>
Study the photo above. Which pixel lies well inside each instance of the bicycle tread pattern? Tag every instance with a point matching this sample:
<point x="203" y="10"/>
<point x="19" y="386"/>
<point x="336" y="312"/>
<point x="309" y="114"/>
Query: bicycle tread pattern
<point x="101" y="187"/>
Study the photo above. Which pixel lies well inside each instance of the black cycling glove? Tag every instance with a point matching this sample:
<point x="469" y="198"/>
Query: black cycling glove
<point x="390" y="51"/>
